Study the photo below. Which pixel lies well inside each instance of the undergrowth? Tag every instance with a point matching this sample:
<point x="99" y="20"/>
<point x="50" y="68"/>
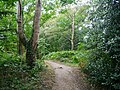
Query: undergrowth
<point x="73" y="57"/>
<point x="16" y="75"/>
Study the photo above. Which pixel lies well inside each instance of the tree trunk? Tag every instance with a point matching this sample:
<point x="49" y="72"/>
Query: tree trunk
<point x="21" y="34"/>
<point x="73" y="32"/>
<point x="30" y="55"/>
<point x="22" y="40"/>
<point x="20" y="48"/>
<point x="36" y="27"/>
<point x="30" y="45"/>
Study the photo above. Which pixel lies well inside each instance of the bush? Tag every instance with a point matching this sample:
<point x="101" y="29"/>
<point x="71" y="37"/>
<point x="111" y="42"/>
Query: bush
<point x="104" y="62"/>
<point x="100" y="71"/>
<point x="68" y="56"/>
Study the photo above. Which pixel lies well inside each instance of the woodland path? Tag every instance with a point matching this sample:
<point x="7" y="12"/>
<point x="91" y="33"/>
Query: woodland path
<point x="67" y="78"/>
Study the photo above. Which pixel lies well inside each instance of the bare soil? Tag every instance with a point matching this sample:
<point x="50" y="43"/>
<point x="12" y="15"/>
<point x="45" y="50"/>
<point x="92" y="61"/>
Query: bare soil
<point x="68" y="78"/>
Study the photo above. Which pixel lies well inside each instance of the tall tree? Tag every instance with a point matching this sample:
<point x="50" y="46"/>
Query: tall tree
<point x="59" y="29"/>
<point x="73" y="31"/>
<point x="31" y="44"/>
<point x="76" y="14"/>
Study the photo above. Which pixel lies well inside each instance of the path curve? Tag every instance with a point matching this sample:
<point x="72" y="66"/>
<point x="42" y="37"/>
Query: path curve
<point x="66" y="78"/>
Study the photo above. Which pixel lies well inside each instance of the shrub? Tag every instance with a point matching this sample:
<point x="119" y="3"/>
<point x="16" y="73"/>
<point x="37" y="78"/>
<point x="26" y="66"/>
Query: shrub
<point x="68" y="56"/>
<point x="100" y="70"/>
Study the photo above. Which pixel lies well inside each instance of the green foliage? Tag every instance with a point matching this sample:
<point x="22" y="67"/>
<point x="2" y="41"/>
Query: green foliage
<point x="7" y="7"/>
<point x="49" y="10"/>
<point x="100" y="70"/>
<point x="64" y="2"/>
<point x="42" y="48"/>
<point x="16" y="75"/>
<point x="7" y="25"/>
<point x="97" y="41"/>
<point x="104" y="61"/>
<point x="58" y="29"/>
<point x="81" y="46"/>
<point x="68" y="56"/>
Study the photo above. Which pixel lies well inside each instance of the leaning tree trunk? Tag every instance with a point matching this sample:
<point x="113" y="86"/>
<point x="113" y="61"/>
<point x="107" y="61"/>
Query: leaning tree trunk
<point x="30" y="45"/>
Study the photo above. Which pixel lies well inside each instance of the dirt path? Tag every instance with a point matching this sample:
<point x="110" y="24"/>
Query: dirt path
<point x="67" y="78"/>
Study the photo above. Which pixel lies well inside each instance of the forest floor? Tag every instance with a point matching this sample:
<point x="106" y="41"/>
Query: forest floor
<point x="68" y="78"/>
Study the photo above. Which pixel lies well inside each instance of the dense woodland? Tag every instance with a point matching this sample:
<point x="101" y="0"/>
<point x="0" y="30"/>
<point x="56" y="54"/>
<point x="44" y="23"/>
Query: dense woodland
<point x="79" y="32"/>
